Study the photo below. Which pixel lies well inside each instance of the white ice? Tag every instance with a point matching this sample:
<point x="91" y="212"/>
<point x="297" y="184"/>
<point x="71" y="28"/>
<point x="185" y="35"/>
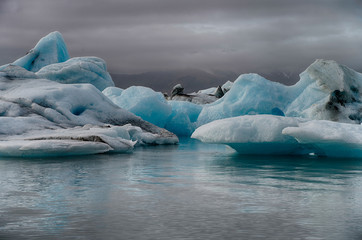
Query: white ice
<point x="329" y="138"/>
<point x="268" y="134"/>
<point x="252" y="134"/>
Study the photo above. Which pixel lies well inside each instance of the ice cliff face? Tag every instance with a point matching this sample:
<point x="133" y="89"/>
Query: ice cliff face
<point x="51" y="105"/>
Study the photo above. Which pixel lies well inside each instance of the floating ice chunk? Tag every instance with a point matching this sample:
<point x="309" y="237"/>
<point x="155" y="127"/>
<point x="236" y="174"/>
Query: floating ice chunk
<point x="252" y="134"/>
<point x="329" y="138"/>
<point x="144" y="102"/>
<point x="91" y="70"/>
<point x="182" y="121"/>
<point x="50" y="49"/>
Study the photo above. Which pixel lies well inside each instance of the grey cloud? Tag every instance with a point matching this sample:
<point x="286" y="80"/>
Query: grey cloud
<point x="236" y="35"/>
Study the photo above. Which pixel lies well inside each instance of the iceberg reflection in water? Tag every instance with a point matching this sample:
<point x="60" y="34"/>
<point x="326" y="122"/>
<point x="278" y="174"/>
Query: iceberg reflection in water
<point x="189" y="191"/>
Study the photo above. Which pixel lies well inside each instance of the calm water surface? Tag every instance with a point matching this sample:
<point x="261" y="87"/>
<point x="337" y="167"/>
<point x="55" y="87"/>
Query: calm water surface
<point x="189" y="191"/>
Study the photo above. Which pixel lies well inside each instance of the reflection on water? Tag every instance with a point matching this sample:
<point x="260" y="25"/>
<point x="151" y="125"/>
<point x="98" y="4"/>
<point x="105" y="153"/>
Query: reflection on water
<point x="189" y="191"/>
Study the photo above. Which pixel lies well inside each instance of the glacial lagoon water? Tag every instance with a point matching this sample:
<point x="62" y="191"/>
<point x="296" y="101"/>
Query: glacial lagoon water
<point x="189" y="191"/>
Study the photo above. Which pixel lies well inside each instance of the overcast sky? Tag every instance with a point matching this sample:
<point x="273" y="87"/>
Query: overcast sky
<point x="144" y="35"/>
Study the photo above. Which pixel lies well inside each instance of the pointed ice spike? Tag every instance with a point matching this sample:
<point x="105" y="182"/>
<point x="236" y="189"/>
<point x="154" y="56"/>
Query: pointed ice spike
<point x="50" y="49"/>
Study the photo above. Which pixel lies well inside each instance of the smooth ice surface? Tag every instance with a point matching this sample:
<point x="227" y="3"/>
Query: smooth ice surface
<point x="329" y="138"/>
<point x="253" y="134"/>
<point x="91" y="70"/>
<point x="143" y="102"/>
<point x="50" y="49"/>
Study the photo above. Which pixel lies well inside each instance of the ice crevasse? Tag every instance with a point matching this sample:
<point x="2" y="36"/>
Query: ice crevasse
<point x="52" y="105"/>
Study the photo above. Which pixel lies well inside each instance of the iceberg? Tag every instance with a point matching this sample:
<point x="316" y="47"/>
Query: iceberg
<point x="326" y="91"/>
<point x="276" y="135"/>
<point x="53" y="105"/>
<point x="55" y="108"/>
<point x="253" y="134"/>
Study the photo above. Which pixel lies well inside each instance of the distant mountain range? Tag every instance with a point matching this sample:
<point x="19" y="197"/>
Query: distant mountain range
<point x="191" y="79"/>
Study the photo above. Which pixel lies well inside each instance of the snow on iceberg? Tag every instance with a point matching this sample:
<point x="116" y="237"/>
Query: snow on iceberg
<point x="45" y="117"/>
<point x="253" y="134"/>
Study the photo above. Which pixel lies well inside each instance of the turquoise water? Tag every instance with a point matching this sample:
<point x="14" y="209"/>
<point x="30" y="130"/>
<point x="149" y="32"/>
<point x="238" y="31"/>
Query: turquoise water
<point x="189" y="191"/>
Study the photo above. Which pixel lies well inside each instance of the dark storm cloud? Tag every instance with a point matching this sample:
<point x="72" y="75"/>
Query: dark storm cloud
<point x="238" y="35"/>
